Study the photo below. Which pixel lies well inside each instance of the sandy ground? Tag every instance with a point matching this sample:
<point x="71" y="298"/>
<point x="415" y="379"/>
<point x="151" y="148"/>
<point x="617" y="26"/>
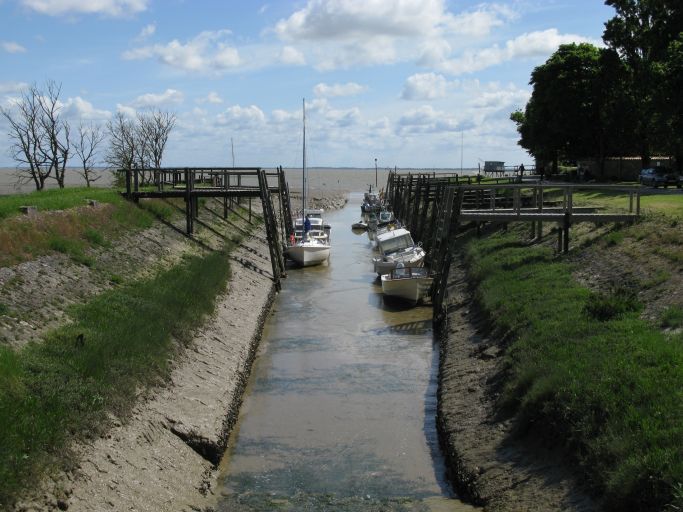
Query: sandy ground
<point x="487" y="467"/>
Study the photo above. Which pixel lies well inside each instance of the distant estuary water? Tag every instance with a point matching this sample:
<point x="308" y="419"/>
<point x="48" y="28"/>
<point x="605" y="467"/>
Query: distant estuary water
<point x="340" y="410"/>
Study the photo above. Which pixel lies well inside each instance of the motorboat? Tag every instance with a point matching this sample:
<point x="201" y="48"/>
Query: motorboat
<point x="382" y="219"/>
<point x="397" y="246"/>
<point x="408" y="283"/>
<point x="319" y="228"/>
<point x="308" y="252"/>
<point x="371" y="203"/>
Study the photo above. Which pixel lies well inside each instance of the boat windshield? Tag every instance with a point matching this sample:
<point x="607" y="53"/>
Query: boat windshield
<point x="385" y="216"/>
<point x="396" y="244"/>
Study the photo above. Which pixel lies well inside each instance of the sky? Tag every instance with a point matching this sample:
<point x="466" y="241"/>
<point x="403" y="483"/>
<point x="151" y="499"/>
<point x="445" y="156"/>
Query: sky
<point x="411" y="83"/>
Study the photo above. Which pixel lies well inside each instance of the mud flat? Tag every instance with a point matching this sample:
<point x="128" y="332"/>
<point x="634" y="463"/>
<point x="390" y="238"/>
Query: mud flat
<point x="487" y="467"/>
<point x="164" y="457"/>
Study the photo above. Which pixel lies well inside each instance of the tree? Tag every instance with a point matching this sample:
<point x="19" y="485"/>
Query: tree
<point x="139" y="143"/>
<point x="561" y="119"/>
<point x="86" y="147"/>
<point x="39" y="134"/>
<point x="641" y="33"/>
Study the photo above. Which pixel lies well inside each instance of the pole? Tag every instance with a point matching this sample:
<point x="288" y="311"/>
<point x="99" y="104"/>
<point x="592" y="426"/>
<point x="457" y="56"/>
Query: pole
<point x="375" y="174"/>
<point x="461" y="146"/>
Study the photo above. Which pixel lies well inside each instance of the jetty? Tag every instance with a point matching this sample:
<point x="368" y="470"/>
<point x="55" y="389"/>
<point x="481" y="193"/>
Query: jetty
<point x="434" y="207"/>
<point x="229" y="184"/>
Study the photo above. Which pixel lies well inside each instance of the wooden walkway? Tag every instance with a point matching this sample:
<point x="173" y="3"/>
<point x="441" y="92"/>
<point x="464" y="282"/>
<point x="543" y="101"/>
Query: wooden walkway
<point x="231" y="184"/>
<point x="435" y="206"/>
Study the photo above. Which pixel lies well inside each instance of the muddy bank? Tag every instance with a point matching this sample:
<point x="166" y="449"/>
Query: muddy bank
<point x="164" y="456"/>
<point x="487" y="466"/>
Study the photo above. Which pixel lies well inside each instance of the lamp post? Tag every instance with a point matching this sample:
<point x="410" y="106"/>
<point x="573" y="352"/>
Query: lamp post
<point x="375" y="174"/>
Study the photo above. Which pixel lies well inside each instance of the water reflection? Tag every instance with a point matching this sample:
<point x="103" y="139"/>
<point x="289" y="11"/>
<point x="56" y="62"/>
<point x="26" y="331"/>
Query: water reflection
<point x="339" y="414"/>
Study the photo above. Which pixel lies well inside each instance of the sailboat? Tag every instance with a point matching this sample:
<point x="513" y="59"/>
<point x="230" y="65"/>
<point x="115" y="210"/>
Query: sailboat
<point x="308" y="250"/>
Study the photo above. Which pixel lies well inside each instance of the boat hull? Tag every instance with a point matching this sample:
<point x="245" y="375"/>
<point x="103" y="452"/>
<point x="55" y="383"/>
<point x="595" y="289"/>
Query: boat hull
<point x="414" y="259"/>
<point x="410" y="289"/>
<point x="307" y="255"/>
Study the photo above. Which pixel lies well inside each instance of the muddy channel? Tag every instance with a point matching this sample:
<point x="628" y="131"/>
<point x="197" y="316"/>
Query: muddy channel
<point x="340" y="410"/>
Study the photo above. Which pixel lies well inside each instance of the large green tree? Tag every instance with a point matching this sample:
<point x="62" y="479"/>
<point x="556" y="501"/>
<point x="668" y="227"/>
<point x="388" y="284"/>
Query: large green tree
<point x="642" y="33"/>
<point x="562" y="119"/>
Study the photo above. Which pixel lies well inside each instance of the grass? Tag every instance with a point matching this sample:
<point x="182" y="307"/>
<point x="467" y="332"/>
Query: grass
<point x="71" y="231"/>
<point x="584" y="372"/>
<point x="62" y="389"/>
<point x="56" y="199"/>
<point x="672" y="318"/>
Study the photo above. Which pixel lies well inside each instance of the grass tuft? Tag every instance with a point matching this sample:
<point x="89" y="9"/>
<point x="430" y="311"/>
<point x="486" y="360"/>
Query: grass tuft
<point x="672" y="318"/>
<point x="616" y="303"/>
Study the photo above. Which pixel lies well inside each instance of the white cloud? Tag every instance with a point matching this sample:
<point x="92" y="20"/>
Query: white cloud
<point x="12" y="87"/>
<point x="212" y="97"/>
<point x="353" y="19"/>
<point x="78" y="108"/>
<point x="531" y="44"/>
<point x="425" y="86"/>
<point x="127" y="111"/>
<point x="346" y="33"/>
<point x="343" y="118"/>
<point x="147" y="31"/>
<point x="168" y="97"/>
<point x="426" y="119"/>
<point x="292" y="56"/>
<point x="347" y="89"/>
<point x="105" y="7"/>
<point x="482" y="21"/>
<point x="242" y="117"/>
<point x="12" y="47"/>
<point x="501" y="99"/>
<point x="207" y="52"/>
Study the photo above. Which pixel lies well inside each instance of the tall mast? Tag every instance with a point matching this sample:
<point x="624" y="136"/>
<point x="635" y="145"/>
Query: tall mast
<point x="304" y="163"/>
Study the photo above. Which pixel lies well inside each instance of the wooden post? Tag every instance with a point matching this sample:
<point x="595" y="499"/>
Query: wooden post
<point x="188" y="202"/>
<point x="559" y="237"/>
<point x="136" y="184"/>
<point x="565" y="228"/>
<point x="128" y="183"/>
<point x="540" y="209"/>
<point x="638" y="202"/>
<point x="225" y="198"/>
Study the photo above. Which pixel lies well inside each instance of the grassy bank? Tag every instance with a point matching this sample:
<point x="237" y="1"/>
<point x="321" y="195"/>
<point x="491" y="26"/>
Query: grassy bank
<point x="65" y="387"/>
<point x="585" y="372"/>
<point x="54" y="392"/>
<point x="74" y="227"/>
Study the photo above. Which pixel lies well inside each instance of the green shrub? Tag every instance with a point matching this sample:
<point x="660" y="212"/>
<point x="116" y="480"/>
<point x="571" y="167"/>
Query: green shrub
<point x="672" y="317"/>
<point x="614" y="304"/>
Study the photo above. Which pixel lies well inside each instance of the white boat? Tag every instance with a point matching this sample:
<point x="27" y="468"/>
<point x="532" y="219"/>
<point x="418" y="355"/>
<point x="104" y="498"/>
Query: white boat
<point x="407" y="283"/>
<point x="308" y="252"/>
<point x="319" y="229"/>
<point x="397" y="246"/>
<point x="312" y="247"/>
<point x="381" y="219"/>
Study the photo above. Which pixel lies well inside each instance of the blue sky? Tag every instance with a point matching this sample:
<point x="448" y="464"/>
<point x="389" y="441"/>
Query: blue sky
<point x="403" y="81"/>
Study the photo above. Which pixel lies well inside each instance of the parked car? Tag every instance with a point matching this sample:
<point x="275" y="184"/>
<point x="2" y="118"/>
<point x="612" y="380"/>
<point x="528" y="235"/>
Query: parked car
<point x="656" y="176"/>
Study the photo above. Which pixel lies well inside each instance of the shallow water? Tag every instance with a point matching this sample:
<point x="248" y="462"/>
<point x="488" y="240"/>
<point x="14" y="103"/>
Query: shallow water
<point x="340" y="410"/>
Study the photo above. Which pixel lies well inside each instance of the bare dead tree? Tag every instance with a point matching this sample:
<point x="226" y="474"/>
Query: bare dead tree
<point x="39" y="134"/>
<point x="28" y="138"/>
<point x="158" y="126"/>
<point x="121" y="152"/>
<point x="139" y="143"/>
<point x="57" y="143"/>
<point x="86" y="148"/>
